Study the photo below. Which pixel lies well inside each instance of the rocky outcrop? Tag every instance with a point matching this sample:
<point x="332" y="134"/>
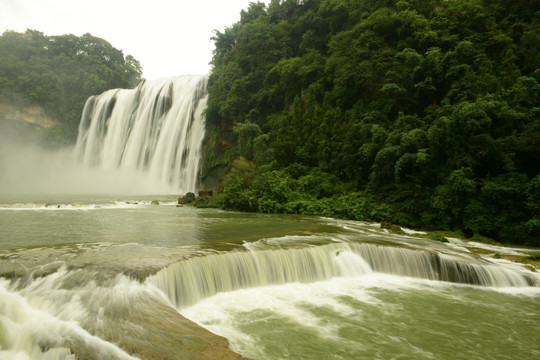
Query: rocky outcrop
<point x="34" y="115"/>
<point x="191" y="199"/>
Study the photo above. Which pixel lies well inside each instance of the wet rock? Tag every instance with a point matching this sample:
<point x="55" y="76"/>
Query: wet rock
<point x="396" y="229"/>
<point x="186" y="199"/>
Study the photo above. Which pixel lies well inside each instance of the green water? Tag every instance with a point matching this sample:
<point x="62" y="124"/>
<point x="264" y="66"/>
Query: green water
<point x="77" y="265"/>
<point x="52" y="222"/>
<point x="378" y="319"/>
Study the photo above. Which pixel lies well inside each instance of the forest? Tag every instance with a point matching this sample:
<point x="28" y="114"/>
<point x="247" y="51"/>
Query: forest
<point x="59" y="73"/>
<point x="421" y="113"/>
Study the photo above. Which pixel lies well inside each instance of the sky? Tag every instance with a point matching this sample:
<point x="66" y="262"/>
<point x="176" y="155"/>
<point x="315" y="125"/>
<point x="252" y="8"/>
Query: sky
<point x="168" y="37"/>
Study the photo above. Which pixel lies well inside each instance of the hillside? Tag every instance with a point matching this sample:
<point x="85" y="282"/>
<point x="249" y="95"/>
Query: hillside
<point x="56" y="75"/>
<point x="424" y="113"/>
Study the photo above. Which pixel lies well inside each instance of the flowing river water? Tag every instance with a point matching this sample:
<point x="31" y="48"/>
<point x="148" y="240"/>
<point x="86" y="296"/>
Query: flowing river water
<point x="107" y="277"/>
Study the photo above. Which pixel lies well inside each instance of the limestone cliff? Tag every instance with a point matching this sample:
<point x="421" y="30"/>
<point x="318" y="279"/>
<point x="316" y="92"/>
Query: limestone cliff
<point x="34" y="115"/>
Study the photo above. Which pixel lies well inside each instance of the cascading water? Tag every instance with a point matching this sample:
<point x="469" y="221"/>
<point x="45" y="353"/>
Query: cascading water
<point x="155" y="130"/>
<point x="190" y="281"/>
<point x="113" y="279"/>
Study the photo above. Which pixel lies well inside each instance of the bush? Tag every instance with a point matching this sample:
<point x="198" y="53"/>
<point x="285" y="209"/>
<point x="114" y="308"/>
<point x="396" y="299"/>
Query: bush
<point x="274" y="185"/>
<point x="318" y="184"/>
<point x="532" y="231"/>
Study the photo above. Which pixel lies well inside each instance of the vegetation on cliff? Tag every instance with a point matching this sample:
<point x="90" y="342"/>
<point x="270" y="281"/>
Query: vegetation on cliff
<point x="59" y="73"/>
<point x="424" y="113"/>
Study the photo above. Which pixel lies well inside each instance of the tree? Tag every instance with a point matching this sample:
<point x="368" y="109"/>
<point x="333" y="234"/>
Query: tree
<point x="60" y="73"/>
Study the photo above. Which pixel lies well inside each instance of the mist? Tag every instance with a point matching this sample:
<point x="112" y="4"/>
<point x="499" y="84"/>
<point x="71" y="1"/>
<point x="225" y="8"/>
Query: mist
<point x="31" y="169"/>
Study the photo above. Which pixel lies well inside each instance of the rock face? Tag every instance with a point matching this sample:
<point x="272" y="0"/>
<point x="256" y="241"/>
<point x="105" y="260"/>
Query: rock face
<point x="183" y="338"/>
<point x="34" y="115"/>
<point x="23" y="124"/>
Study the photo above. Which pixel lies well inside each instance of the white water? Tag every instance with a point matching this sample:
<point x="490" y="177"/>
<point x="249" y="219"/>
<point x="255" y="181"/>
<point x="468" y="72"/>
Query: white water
<point x="76" y="284"/>
<point x="190" y="281"/>
<point x="156" y="129"/>
<point x="44" y="320"/>
<point x="55" y="206"/>
<point x="227" y="313"/>
<point x="374" y="316"/>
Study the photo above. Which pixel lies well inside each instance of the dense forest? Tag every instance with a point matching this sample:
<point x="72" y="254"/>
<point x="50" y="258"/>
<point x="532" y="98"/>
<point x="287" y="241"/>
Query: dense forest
<point x="422" y="113"/>
<point x="59" y="73"/>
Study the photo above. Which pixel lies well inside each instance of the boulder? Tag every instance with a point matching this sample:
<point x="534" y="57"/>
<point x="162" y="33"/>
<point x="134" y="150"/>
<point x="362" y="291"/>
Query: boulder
<point x="186" y="199"/>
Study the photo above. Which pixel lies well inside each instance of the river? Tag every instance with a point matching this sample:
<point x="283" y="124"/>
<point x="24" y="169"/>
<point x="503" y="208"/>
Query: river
<point x="115" y="277"/>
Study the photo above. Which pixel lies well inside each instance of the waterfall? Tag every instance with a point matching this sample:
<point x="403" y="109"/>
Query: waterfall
<point x="192" y="280"/>
<point x="435" y="266"/>
<point x="155" y="129"/>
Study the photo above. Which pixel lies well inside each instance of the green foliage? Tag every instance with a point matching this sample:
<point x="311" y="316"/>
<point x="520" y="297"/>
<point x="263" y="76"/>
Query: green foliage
<point x="421" y="113"/>
<point x="60" y="73"/>
<point x="246" y="133"/>
<point x="237" y="192"/>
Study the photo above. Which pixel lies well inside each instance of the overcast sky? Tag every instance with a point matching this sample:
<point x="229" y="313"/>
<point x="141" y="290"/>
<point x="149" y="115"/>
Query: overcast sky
<point x="168" y="37"/>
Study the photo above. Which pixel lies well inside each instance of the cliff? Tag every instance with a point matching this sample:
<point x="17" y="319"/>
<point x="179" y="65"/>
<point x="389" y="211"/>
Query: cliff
<point x="32" y="115"/>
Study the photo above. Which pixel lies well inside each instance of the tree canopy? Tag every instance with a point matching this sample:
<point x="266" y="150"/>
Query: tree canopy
<point x="60" y="73"/>
<point x="425" y="113"/>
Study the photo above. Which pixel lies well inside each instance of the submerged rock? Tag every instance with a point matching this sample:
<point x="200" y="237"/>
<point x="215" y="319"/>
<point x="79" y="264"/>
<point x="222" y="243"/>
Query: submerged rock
<point x="396" y="229"/>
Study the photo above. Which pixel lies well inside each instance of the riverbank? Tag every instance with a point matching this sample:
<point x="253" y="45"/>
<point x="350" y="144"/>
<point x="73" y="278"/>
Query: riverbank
<point x="481" y="245"/>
